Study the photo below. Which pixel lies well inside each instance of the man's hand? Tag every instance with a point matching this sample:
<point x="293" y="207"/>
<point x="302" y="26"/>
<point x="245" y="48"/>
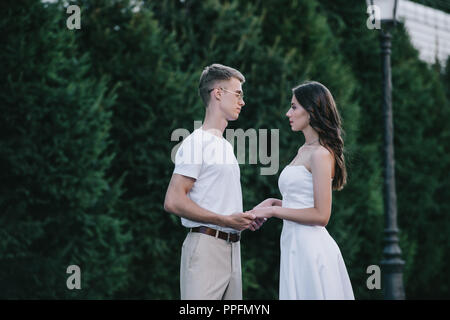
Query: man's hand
<point x="239" y="221"/>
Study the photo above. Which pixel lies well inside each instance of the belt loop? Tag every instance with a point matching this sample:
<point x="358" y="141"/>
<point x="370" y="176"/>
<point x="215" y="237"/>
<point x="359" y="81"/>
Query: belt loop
<point x="228" y="237"/>
<point x="217" y="234"/>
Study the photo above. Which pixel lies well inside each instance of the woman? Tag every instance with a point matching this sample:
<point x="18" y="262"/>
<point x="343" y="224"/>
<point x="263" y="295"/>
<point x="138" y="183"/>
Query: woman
<point x="311" y="264"/>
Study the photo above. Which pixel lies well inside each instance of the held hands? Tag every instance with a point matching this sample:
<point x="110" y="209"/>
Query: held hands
<point x="262" y="211"/>
<point x="252" y="219"/>
<point x="240" y="221"/>
<point x="260" y="218"/>
<point x="244" y="220"/>
<point x="257" y="223"/>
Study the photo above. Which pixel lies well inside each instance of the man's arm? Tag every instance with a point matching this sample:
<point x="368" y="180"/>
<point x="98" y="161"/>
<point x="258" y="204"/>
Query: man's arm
<point x="179" y="203"/>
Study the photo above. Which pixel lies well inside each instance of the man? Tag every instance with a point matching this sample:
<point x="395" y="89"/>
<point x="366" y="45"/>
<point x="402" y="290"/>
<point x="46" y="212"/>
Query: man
<point x="205" y="191"/>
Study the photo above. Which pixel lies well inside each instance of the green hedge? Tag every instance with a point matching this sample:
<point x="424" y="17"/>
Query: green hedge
<point x="88" y="119"/>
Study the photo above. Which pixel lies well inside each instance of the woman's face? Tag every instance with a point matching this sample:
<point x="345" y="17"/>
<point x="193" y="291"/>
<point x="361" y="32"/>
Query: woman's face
<point x="298" y="116"/>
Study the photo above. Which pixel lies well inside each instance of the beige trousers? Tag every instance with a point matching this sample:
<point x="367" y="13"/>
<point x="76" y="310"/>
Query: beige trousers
<point x="210" y="268"/>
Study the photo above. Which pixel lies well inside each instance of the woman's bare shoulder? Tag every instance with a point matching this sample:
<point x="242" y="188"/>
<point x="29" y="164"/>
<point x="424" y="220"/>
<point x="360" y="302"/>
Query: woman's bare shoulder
<point x="321" y="153"/>
<point x="321" y="157"/>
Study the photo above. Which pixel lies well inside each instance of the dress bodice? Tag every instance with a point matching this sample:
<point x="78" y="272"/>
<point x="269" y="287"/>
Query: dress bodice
<point x="296" y="187"/>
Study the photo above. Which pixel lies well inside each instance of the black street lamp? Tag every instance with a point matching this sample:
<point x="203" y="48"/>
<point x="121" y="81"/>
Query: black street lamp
<point x="392" y="264"/>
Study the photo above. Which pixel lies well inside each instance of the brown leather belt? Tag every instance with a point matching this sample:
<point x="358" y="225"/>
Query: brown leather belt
<point x="229" y="237"/>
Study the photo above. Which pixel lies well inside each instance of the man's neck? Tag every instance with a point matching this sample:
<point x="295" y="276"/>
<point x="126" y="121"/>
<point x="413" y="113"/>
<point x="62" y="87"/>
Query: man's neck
<point x="214" y="124"/>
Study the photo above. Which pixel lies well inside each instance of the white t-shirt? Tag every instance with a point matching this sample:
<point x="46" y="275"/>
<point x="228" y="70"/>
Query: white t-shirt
<point x="211" y="161"/>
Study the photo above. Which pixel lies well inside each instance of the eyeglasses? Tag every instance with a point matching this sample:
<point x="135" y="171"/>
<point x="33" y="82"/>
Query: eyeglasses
<point x="239" y="95"/>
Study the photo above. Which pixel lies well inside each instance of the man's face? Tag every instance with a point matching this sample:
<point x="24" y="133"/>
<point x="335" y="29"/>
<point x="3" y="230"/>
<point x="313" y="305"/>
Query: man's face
<point x="231" y="102"/>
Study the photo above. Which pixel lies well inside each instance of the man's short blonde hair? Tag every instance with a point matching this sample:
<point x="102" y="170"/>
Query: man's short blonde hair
<point x="213" y="74"/>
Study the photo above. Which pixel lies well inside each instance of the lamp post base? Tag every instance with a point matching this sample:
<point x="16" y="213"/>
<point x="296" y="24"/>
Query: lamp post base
<point x="392" y="271"/>
<point x="392" y="266"/>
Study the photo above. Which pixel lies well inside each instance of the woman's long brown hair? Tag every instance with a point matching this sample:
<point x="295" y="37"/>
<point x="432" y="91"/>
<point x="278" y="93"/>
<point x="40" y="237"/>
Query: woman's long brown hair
<point x="317" y="100"/>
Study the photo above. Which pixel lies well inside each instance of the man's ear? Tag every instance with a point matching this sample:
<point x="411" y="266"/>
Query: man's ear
<point x="217" y="94"/>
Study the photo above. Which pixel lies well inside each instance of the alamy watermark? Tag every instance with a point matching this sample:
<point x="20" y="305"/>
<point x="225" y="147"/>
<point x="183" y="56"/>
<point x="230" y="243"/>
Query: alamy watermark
<point x="373" y="22"/>
<point x="74" y="280"/>
<point x="374" y="281"/>
<point x="258" y="148"/>
<point x="74" y="20"/>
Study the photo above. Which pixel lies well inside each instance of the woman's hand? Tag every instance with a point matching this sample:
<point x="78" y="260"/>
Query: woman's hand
<point x="262" y="212"/>
<point x="257" y="223"/>
<point x="266" y="203"/>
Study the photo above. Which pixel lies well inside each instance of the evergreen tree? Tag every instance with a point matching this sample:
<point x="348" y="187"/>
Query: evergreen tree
<point x="143" y="61"/>
<point x="56" y="203"/>
<point x="421" y="118"/>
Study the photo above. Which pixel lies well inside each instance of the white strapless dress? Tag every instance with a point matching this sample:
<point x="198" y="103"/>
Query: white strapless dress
<point x="311" y="264"/>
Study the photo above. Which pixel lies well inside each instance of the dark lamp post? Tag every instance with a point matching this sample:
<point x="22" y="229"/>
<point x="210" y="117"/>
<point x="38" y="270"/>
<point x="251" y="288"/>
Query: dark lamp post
<point x="392" y="264"/>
